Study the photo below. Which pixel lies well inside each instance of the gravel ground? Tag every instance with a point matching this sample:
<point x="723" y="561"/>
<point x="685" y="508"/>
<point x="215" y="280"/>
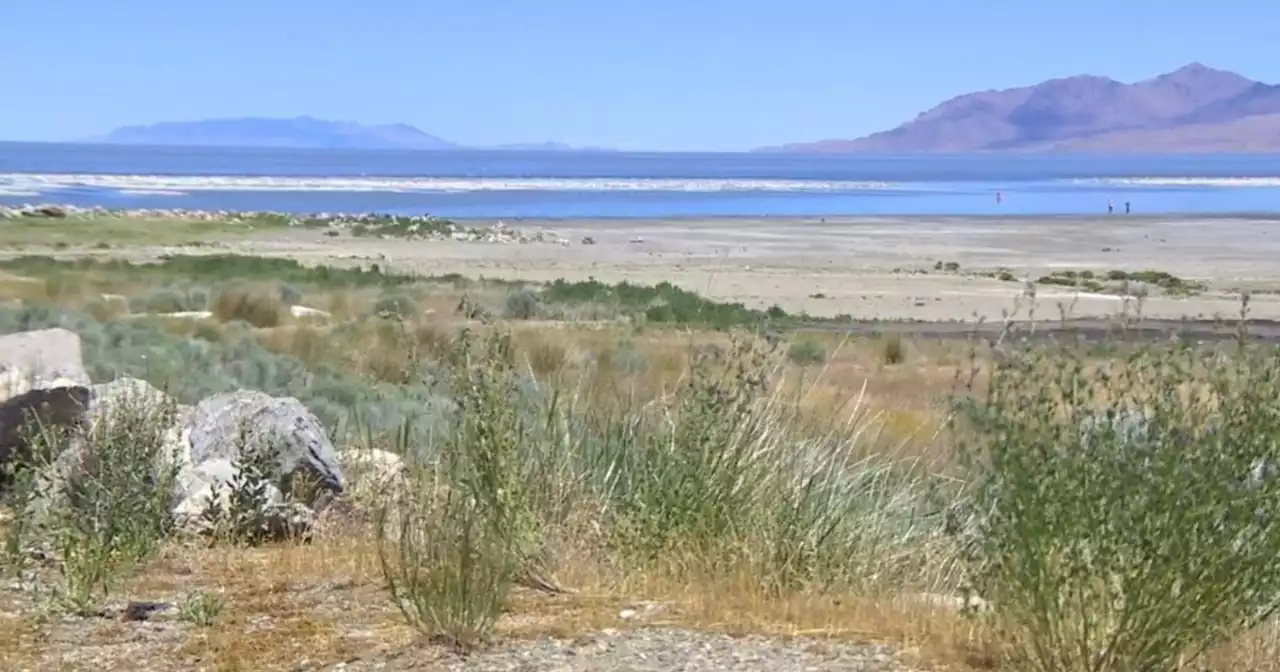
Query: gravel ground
<point x="35" y="640"/>
<point x="646" y="650"/>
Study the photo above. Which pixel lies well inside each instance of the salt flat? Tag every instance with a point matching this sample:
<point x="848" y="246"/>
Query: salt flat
<point x="868" y="267"/>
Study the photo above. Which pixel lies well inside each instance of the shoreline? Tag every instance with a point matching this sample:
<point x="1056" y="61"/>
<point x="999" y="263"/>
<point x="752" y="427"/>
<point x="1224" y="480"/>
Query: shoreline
<point x="904" y="218"/>
<point x="30" y="208"/>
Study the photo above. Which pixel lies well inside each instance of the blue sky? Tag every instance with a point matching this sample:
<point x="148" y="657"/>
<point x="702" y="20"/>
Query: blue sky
<point x="642" y="74"/>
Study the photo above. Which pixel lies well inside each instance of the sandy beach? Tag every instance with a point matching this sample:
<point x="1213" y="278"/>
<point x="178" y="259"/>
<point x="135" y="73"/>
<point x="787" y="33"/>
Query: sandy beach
<point x="865" y="267"/>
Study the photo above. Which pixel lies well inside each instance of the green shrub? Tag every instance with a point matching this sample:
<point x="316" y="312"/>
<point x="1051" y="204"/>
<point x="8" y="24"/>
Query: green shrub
<point x="103" y="505"/>
<point x="662" y="303"/>
<point x="162" y="301"/>
<point x="716" y="477"/>
<point x="626" y="359"/>
<point x="695" y="475"/>
<point x="460" y="542"/>
<point x="396" y="305"/>
<point x="807" y="353"/>
<point x="1121" y="526"/>
<point x="446" y="565"/>
<point x="201" y="609"/>
<point x="243" y="517"/>
<point x="289" y="294"/>
<point x="104" y="310"/>
<point x="522" y="305"/>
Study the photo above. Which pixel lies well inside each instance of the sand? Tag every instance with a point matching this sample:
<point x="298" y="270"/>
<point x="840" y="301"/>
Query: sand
<point x="865" y="267"/>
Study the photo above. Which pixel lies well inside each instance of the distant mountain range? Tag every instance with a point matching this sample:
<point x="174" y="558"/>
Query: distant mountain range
<point x="1193" y="109"/>
<point x="297" y="132"/>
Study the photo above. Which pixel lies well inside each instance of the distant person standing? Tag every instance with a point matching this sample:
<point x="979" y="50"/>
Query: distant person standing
<point x="999" y="198"/>
<point x="1126" y="207"/>
<point x="1111" y="207"/>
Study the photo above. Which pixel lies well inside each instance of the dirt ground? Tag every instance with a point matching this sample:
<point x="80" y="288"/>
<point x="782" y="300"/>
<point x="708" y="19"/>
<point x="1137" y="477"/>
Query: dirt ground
<point x="865" y="267"/>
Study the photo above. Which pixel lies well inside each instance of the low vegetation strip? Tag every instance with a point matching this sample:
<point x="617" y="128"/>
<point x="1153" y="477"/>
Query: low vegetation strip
<point x="661" y="304"/>
<point x="1130" y="283"/>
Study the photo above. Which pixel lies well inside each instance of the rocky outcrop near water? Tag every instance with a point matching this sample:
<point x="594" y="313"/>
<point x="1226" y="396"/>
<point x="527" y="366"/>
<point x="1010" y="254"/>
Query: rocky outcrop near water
<point x="359" y="225"/>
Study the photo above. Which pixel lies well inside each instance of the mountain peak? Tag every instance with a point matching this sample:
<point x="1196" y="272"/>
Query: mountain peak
<point x="1195" y="67"/>
<point x="1197" y="71"/>
<point x="1163" y="113"/>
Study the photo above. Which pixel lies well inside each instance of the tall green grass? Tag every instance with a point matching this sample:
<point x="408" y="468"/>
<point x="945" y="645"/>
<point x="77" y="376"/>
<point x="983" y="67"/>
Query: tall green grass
<point x="712" y="479"/>
<point x="1127" y="521"/>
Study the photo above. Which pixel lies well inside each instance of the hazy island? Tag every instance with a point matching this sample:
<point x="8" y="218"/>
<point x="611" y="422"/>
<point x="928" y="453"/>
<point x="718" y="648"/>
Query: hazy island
<point x="301" y="133"/>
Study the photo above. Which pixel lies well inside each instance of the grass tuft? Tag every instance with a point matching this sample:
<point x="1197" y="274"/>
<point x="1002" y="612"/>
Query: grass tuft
<point x="258" y="306"/>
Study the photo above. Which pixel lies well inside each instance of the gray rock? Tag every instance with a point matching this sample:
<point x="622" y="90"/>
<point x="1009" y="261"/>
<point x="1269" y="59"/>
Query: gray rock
<point x="141" y="611"/>
<point x="134" y="395"/>
<point x="208" y="443"/>
<point x="229" y="426"/>
<point x="53" y="408"/>
<point x="213" y="482"/>
<point x="372" y="474"/>
<point x="286" y="521"/>
<point x="51" y="211"/>
<point x="142" y="413"/>
<point x="215" y="473"/>
<point x="42" y="357"/>
<point x="133" y="400"/>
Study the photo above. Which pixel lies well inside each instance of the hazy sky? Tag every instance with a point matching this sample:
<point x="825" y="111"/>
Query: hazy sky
<point x="644" y="74"/>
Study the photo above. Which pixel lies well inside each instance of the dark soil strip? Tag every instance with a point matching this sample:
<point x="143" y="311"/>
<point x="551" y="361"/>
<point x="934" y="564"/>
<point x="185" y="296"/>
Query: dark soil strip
<point x="1089" y="330"/>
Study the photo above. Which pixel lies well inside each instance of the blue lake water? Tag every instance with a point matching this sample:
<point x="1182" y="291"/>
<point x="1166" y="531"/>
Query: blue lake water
<point x="607" y="184"/>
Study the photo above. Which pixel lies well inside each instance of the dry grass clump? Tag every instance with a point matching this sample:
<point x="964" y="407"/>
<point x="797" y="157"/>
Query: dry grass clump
<point x="893" y="351"/>
<point x="691" y="488"/>
<point x="258" y="305"/>
<point x="15" y="287"/>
